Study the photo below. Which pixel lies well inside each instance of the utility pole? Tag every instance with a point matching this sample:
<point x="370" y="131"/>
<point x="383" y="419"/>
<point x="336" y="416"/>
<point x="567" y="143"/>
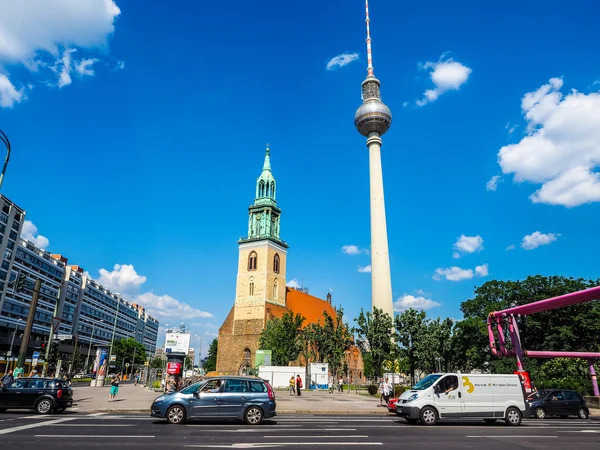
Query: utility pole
<point x="71" y="368"/>
<point x="132" y="362"/>
<point x="112" y="341"/>
<point x="50" y="338"/>
<point x="29" y="325"/>
<point x="87" y="360"/>
<point x="12" y="343"/>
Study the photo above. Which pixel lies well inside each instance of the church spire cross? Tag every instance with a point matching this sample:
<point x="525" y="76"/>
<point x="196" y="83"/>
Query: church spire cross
<point x="267" y="164"/>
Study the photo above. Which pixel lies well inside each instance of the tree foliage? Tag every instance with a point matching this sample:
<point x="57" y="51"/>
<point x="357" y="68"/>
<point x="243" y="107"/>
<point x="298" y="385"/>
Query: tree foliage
<point x="126" y="350"/>
<point x="374" y="334"/>
<point x="210" y="364"/>
<point x="284" y="337"/>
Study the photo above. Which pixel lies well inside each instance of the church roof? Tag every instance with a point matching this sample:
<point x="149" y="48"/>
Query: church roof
<point x="308" y="306"/>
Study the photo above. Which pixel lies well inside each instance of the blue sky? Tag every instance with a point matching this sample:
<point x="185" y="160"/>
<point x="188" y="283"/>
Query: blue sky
<point x="138" y="132"/>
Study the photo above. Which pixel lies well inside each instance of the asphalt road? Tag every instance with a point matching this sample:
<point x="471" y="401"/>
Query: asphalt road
<point x="84" y="431"/>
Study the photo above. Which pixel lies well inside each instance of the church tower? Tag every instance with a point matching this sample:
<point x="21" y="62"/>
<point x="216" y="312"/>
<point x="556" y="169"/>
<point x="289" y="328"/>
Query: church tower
<point x="262" y="258"/>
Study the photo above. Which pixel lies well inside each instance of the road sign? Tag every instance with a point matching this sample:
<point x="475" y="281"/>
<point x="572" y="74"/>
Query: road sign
<point x="35" y="355"/>
<point x="55" y="323"/>
<point x="126" y="364"/>
<point x="63" y="337"/>
<point x="8" y="353"/>
<point x="34" y="362"/>
<point x="145" y="363"/>
<point x="113" y="358"/>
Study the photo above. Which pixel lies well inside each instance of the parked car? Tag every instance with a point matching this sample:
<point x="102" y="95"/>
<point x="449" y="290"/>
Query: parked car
<point x="454" y="395"/>
<point x="391" y="406"/>
<point x="43" y="395"/>
<point x="243" y="398"/>
<point x="554" y="402"/>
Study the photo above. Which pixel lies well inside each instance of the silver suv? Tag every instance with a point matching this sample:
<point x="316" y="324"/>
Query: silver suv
<point x="244" y="398"/>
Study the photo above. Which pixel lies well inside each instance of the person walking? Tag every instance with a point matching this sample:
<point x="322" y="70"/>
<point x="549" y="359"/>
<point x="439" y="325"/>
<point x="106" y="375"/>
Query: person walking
<point x="340" y="385"/>
<point x="386" y="391"/>
<point x="298" y="385"/>
<point x="7" y="379"/>
<point x="292" y="385"/>
<point x="114" y="387"/>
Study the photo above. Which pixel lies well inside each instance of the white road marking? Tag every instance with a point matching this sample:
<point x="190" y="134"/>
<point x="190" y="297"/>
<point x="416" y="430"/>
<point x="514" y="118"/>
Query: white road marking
<point x="580" y="431"/>
<point x="35" y="425"/>
<point x="319" y="436"/>
<point x="90" y="436"/>
<point x="280" y="444"/>
<point x="93" y="425"/>
<point x="97" y="414"/>
<point x="520" y="436"/>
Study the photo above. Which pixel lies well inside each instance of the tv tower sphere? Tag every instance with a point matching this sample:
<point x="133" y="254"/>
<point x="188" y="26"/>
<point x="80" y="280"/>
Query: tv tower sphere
<point x="373" y="115"/>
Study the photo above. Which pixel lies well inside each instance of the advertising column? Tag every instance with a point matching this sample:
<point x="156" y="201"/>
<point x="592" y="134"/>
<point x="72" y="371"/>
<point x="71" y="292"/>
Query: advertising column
<point x="100" y="367"/>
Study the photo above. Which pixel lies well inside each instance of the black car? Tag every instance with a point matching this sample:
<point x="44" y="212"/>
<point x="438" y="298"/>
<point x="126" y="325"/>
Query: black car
<point x="555" y="402"/>
<point x="43" y="395"/>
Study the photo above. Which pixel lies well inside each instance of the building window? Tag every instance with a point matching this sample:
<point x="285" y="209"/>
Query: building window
<point x="252" y="261"/>
<point x="276" y="263"/>
<point x="275" y="289"/>
<point x="247" y="354"/>
<point x="261" y="189"/>
<point x="251" y="286"/>
<point x="273" y="189"/>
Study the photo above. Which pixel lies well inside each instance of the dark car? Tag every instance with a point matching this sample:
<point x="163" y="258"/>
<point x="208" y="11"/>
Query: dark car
<point x="555" y="402"/>
<point x="43" y="395"/>
<point x="243" y="398"/>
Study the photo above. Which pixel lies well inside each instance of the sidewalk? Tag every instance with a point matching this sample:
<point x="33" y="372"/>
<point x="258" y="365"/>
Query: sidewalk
<point x="137" y="399"/>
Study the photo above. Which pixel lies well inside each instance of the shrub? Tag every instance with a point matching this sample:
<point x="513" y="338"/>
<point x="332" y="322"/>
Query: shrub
<point x="372" y="389"/>
<point x="399" y="389"/>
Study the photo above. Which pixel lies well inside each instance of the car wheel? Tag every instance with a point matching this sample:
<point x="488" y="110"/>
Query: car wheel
<point x="429" y="416"/>
<point x="490" y="421"/>
<point x="176" y="414"/>
<point x="411" y="421"/>
<point x="253" y="415"/>
<point x="513" y="416"/>
<point x="44" y="406"/>
<point x="540" y="413"/>
<point x="583" y="413"/>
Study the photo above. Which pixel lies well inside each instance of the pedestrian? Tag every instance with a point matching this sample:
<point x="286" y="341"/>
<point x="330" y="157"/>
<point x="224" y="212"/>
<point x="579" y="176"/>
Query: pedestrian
<point x="7" y="379"/>
<point x="387" y="390"/>
<point x="380" y="393"/>
<point x="298" y="385"/>
<point x="292" y="385"/>
<point x="137" y="378"/>
<point x="34" y="374"/>
<point x="340" y="384"/>
<point x="114" y="387"/>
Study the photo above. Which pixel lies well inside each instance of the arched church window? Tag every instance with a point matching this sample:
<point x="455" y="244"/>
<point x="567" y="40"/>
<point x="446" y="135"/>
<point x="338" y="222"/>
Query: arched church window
<point x="251" y="286"/>
<point x="268" y="189"/>
<point x="252" y="261"/>
<point x="275" y="289"/>
<point x="273" y="189"/>
<point x="276" y="263"/>
<point x="261" y="189"/>
<point x="247" y="353"/>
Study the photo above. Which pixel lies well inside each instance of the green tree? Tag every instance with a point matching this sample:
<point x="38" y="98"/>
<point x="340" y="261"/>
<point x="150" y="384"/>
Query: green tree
<point x="126" y="349"/>
<point x="374" y="334"/>
<point x="284" y="337"/>
<point x="210" y="364"/>
<point x="411" y="330"/>
<point x="157" y="363"/>
<point x="188" y="363"/>
<point x="368" y="364"/>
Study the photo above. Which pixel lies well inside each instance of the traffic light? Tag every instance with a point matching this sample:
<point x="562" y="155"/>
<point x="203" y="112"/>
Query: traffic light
<point x="43" y="346"/>
<point x="21" y="281"/>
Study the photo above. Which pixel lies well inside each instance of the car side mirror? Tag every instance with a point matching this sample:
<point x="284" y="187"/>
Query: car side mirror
<point x="436" y="389"/>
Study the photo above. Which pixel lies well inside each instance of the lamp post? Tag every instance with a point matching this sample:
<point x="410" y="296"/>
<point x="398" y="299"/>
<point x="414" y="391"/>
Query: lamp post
<point x="12" y="343"/>
<point x="112" y="340"/>
<point x="6" y="142"/>
<point x="199" y="350"/>
<point x="87" y="360"/>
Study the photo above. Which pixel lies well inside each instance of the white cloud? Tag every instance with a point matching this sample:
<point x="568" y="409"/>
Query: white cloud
<point x="537" y="239"/>
<point x="511" y="247"/>
<point x="123" y="278"/>
<point x="410" y="301"/>
<point x="455" y="273"/>
<point x="365" y="269"/>
<point x="341" y="60"/>
<point x="165" y="308"/>
<point x="294" y="283"/>
<point x="561" y="150"/>
<point x="446" y="75"/>
<point x="41" y="36"/>
<point x="353" y="250"/>
<point x="9" y="95"/>
<point x="29" y="232"/>
<point x="467" y="244"/>
<point x="492" y="184"/>
<point x="84" y="67"/>
<point x="482" y="270"/>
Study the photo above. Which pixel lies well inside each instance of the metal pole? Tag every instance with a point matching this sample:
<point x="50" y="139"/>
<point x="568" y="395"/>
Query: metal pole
<point x="132" y="362"/>
<point x="4" y="139"/>
<point x="594" y="379"/>
<point x="74" y="350"/>
<point x="29" y="324"/>
<point x="50" y="338"/>
<point x="112" y="341"/>
<point x="12" y="343"/>
<point x="87" y="360"/>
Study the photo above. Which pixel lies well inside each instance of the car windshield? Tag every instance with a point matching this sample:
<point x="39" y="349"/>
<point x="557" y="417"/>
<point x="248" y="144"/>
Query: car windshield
<point x="191" y="388"/>
<point x="426" y="382"/>
<point x="537" y="395"/>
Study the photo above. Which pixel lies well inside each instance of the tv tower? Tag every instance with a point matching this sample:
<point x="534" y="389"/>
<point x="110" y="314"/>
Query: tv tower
<point x="372" y="119"/>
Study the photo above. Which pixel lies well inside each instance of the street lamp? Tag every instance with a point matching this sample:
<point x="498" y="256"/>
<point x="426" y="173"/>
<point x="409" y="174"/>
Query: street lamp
<point x="12" y="343"/>
<point x="6" y="142"/>
<point x="199" y="350"/>
<point x="87" y="360"/>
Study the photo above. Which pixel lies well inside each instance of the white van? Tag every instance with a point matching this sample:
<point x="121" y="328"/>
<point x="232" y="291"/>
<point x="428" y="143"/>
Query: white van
<point x="450" y="395"/>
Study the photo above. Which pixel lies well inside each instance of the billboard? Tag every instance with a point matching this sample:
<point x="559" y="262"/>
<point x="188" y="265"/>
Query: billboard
<point x="177" y="343"/>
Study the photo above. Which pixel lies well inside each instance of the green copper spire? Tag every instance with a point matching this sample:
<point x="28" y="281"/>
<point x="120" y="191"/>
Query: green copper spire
<point x="264" y="215"/>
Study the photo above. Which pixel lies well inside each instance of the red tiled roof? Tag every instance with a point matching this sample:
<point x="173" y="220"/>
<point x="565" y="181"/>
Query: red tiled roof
<point x="308" y="306"/>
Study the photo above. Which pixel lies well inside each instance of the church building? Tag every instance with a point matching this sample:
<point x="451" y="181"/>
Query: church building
<point x="261" y="292"/>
